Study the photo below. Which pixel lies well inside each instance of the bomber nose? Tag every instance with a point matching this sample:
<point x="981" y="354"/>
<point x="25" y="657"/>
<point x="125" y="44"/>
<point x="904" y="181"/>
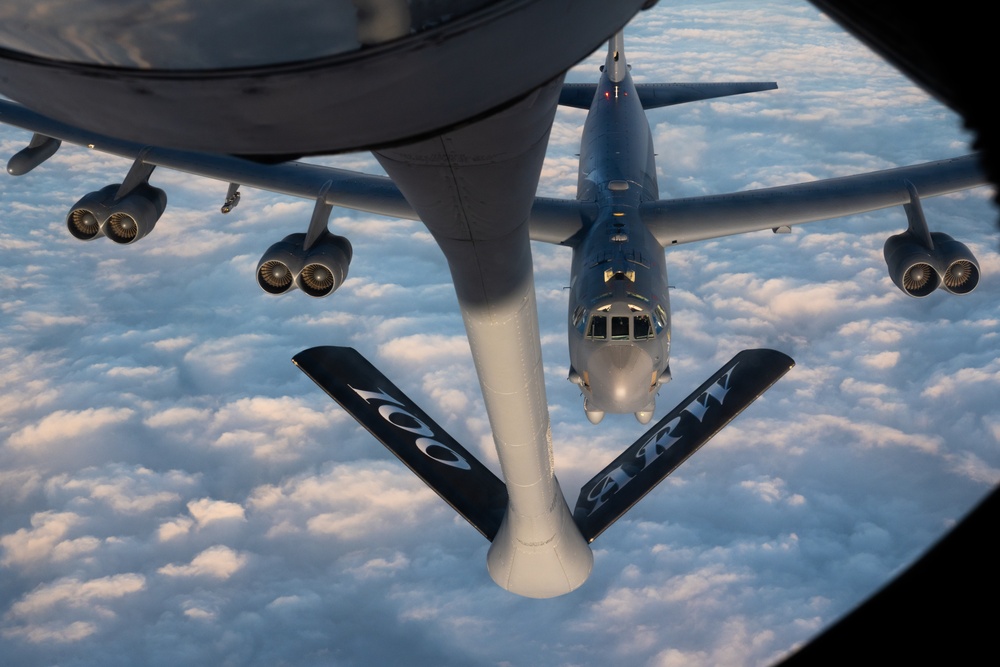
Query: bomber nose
<point x="620" y="378"/>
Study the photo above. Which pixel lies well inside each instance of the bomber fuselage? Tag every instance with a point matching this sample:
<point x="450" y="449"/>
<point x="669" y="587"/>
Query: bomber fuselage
<point x="619" y="313"/>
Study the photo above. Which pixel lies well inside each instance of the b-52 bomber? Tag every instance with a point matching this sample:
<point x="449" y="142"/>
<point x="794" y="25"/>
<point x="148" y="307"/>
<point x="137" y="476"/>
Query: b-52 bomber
<point x="473" y="187"/>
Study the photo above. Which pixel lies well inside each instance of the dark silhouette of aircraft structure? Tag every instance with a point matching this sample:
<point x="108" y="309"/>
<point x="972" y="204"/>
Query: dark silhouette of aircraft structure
<point x="473" y="185"/>
<point x="276" y="81"/>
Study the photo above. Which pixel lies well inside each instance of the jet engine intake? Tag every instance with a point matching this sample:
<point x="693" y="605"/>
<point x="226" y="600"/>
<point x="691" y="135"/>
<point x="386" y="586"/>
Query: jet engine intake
<point x="86" y="219"/>
<point x="960" y="269"/>
<point x="124" y="220"/>
<point x="317" y="272"/>
<point x="918" y="270"/>
<point x="281" y="264"/>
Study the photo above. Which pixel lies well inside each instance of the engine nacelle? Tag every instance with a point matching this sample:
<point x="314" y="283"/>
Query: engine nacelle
<point x="960" y="270"/>
<point x="124" y="220"/>
<point x="911" y="265"/>
<point x="86" y="219"/>
<point x="317" y="272"/>
<point x="326" y="265"/>
<point x="281" y="264"/>
<point x="918" y="270"/>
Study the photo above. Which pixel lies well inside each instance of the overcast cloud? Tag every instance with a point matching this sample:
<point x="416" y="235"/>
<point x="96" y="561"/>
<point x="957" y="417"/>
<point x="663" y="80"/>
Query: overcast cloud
<point x="173" y="491"/>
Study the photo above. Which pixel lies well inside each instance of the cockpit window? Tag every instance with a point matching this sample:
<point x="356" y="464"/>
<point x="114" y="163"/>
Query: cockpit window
<point x="642" y="328"/>
<point x="619" y="328"/>
<point x="598" y="329"/>
<point x="578" y="318"/>
<point x="660" y="317"/>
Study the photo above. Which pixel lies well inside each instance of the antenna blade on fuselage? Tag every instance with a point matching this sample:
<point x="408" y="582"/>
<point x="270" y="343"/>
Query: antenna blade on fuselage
<point x="676" y="437"/>
<point x="406" y="430"/>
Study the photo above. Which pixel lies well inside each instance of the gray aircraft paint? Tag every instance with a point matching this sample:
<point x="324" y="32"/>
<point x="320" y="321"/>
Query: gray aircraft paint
<point x="538" y="551"/>
<point x="328" y="76"/>
<point x="618" y="271"/>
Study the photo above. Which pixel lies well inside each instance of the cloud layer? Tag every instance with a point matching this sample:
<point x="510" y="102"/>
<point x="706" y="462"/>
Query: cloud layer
<point x="173" y="490"/>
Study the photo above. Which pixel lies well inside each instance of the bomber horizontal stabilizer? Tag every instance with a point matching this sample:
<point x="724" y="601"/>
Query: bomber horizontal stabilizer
<point x="406" y="430"/>
<point x="655" y="95"/>
<point x="677" y="436"/>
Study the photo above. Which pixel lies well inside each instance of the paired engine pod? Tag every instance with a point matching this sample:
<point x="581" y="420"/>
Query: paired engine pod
<point x="317" y="272"/>
<point x="918" y="270"/>
<point x="124" y="220"/>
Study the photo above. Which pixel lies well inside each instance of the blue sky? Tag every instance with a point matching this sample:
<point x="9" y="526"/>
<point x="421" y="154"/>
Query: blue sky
<point x="173" y="490"/>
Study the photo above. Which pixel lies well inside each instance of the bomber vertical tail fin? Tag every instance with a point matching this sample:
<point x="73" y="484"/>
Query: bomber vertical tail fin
<point x="615" y="65"/>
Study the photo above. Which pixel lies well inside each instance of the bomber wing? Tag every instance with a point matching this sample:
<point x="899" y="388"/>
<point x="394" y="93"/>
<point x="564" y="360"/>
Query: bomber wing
<point x="365" y="192"/>
<point x="556" y="221"/>
<point x="552" y="220"/>
<point x="656" y="95"/>
<point x="675" y="221"/>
